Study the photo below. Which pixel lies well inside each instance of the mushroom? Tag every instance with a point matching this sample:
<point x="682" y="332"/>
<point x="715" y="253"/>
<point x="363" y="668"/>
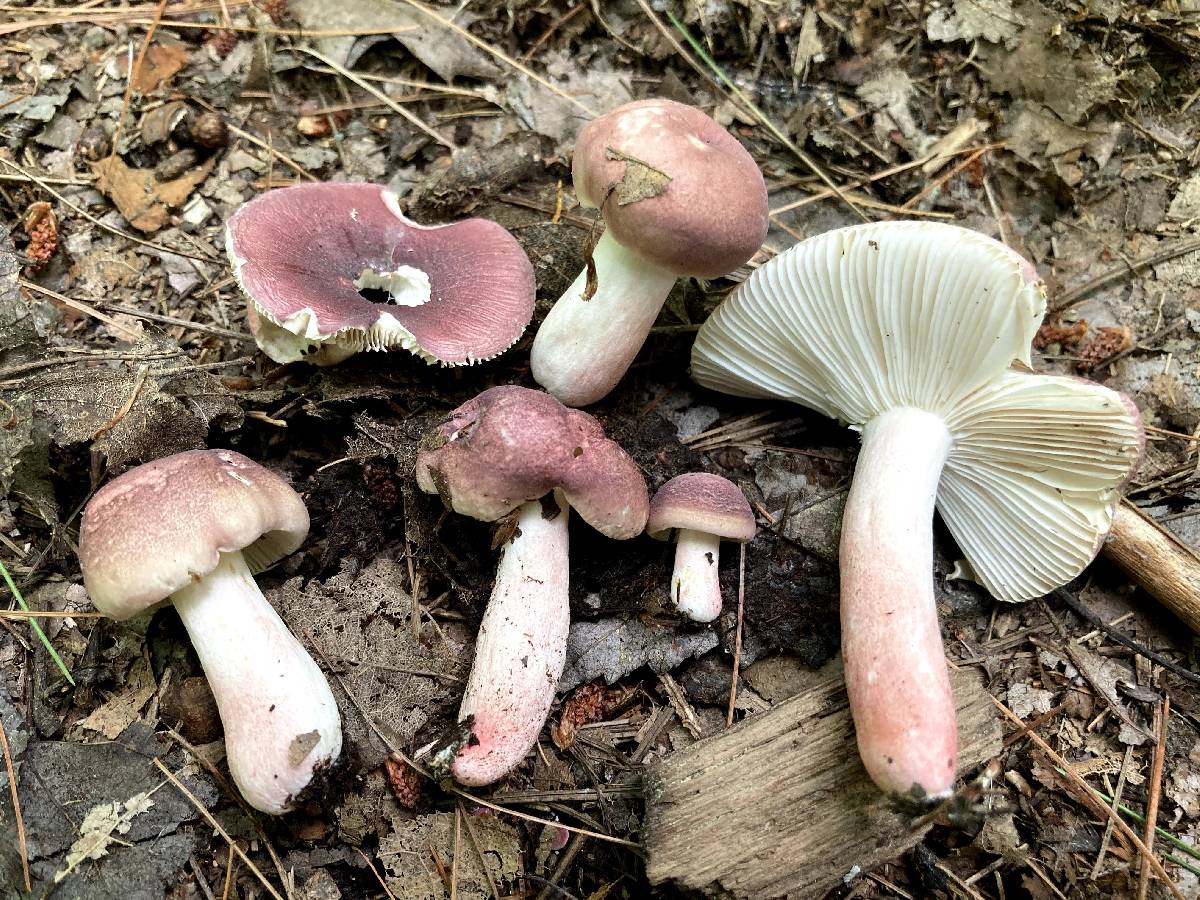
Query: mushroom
<point x="451" y="294"/>
<point x="700" y="510"/>
<point x="512" y="448"/>
<point x="680" y="196"/>
<point x="190" y="530"/>
<point x="918" y="335"/>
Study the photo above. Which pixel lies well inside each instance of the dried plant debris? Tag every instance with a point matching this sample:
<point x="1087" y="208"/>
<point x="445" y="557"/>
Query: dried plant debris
<point x="361" y="623"/>
<point x="966" y="20"/>
<point x="613" y="648"/>
<point x="419" y="855"/>
<point x="99" y="820"/>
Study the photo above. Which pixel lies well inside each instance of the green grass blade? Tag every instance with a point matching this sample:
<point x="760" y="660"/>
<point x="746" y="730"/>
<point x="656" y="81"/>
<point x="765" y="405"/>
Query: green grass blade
<point x="62" y="666"/>
<point x="1141" y="820"/>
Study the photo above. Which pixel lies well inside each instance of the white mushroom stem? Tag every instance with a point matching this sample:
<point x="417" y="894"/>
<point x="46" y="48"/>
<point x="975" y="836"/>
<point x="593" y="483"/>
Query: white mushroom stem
<point x="521" y="648"/>
<point x="896" y="674"/>
<point x="694" y="583"/>
<point x="584" y="346"/>
<point x="281" y="721"/>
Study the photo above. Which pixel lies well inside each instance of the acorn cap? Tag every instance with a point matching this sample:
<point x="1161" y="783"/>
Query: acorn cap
<point x="511" y="444"/>
<point x="461" y="293"/>
<point x="673" y="185"/>
<point x="700" y="501"/>
<point x="860" y="320"/>
<point x="160" y="526"/>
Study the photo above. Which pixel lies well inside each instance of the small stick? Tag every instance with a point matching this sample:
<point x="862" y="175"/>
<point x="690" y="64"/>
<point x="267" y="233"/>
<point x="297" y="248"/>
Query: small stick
<point x="22" y="848"/>
<point x="737" y="641"/>
<point x="217" y="825"/>
<point x="1094" y="799"/>
<point x="1162" y="716"/>
<point x="1156" y="560"/>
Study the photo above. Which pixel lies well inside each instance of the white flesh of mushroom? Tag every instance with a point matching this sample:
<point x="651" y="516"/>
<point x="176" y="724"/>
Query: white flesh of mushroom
<point x="281" y="721"/>
<point x="695" y="583"/>
<point x="585" y="345"/>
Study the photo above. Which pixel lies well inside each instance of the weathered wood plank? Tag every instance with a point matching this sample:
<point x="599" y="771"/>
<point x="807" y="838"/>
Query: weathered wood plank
<point x="780" y="805"/>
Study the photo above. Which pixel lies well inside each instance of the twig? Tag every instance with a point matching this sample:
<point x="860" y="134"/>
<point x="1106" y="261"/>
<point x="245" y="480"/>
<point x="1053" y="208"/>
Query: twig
<point x="1116" y="802"/>
<point x="737" y="641"/>
<point x="1092" y="619"/>
<point x="598" y="835"/>
<point x="762" y="117"/>
<point x="217" y="827"/>
<point x="378" y="94"/>
<point x="498" y="54"/>
<point x="132" y="75"/>
<point x="1075" y="295"/>
<point x="201" y="327"/>
<point x="483" y="863"/>
<point x="1162" y="716"/>
<point x="1093" y="798"/>
<point x="370" y="865"/>
<point x="22" y="848"/>
<point x="79" y="306"/>
<point x="457" y="851"/>
<point x="159" y="248"/>
<point x="560" y="869"/>
<point x="228" y="874"/>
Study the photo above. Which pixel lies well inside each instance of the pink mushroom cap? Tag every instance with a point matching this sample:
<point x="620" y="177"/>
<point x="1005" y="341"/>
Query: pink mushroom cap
<point x="701" y="501"/>
<point x="674" y="186"/>
<point x="510" y="444"/>
<point x="298" y="252"/>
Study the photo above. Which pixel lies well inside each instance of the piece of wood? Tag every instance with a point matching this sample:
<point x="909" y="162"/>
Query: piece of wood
<point x="780" y="805"/>
<point x="1157" y="561"/>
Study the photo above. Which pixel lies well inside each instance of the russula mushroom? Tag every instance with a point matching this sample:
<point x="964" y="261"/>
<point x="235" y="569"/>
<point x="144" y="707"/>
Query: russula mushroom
<point x="918" y="335"/>
<point x="700" y="510"/>
<point x="512" y="448"/>
<point x="680" y="197"/>
<point x="189" y="530"/>
<point x="452" y="294"/>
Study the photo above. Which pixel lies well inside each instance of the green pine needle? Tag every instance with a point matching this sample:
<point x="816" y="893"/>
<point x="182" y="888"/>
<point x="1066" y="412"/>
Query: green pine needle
<point x="62" y="666"/>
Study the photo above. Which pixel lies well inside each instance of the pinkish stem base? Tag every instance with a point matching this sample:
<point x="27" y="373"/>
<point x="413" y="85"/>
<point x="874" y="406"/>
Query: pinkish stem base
<point x="521" y="648"/>
<point x="896" y="674"/>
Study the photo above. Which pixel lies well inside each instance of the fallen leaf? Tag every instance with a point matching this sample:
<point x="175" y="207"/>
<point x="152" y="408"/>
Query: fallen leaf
<point x="124" y="707"/>
<point x="641" y="180"/>
<point x="99" y="829"/>
<point x="143" y="200"/>
<point x="159" y="65"/>
<point x="612" y="648"/>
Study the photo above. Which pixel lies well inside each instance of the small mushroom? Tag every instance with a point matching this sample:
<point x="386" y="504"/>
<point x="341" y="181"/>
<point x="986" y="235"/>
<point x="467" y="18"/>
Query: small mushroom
<point x="190" y="530"/>
<point x="680" y="197"/>
<point x="514" y="449"/>
<point x="700" y="510"/>
<point x="918" y="335"/>
<point x="451" y="294"/>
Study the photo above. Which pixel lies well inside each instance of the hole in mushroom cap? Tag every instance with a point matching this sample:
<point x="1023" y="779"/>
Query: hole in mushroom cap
<point x="404" y="286"/>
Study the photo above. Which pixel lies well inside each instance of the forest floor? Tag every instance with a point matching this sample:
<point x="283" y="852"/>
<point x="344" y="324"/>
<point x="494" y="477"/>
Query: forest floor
<point x="1069" y="129"/>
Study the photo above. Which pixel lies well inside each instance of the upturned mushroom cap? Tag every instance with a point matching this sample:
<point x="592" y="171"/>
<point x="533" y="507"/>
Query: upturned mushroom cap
<point x="511" y="444"/>
<point x="158" y="527"/>
<point x="462" y="292"/>
<point x="701" y="501"/>
<point x="673" y="185"/>
<point x="863" y="319"/>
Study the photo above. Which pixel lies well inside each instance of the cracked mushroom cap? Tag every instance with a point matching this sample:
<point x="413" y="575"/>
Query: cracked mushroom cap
<point x="458" y="293"/>
<point x="511" y="444"/>
<point x="673" y="185"/>
<point x="156" y="528"/>
<point x="863" y="319"/>
<point x="701" y="501"/>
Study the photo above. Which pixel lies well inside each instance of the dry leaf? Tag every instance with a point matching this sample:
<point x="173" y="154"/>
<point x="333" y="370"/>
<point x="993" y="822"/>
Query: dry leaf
<point x="161" y="62"/>
<point x="124" y="707"/>
<point x="99" y="829"/>
<point x="142" y="199"/>
<point x="641" y="182"/>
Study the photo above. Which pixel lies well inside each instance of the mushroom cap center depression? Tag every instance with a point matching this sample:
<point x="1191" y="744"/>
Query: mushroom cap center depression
<point x="404" y="285"/>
